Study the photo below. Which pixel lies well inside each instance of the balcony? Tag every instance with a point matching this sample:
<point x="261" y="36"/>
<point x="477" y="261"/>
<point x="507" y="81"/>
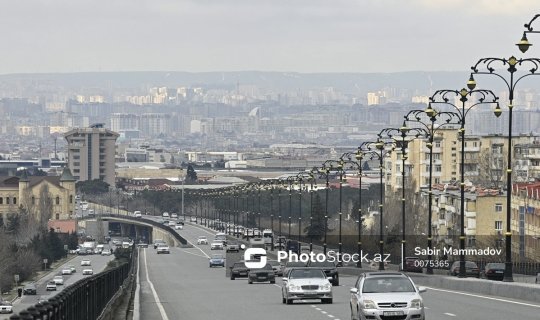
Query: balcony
<point x="470" y="232"/>
<point x="450" y="208"/>
<point x="470" y="214"/>
<point x="442" y="222"/>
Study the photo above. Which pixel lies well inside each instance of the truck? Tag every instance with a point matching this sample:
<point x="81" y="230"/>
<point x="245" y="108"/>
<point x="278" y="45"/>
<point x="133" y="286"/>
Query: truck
<point x="89" y="246"/>
<point x="268" y="237"/>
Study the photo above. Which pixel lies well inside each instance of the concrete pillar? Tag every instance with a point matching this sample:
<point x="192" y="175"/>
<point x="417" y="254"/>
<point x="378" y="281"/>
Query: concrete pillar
<point x="124" y="230"/>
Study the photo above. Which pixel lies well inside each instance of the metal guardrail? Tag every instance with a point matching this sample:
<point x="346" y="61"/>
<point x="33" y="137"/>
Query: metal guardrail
<point x="84" y="300"/>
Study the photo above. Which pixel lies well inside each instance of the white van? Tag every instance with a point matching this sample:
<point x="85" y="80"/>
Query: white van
<point x="137" y="214"/>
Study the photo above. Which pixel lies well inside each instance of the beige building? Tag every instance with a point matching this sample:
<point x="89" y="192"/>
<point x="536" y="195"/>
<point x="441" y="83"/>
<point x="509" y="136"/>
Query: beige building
<point x="28" y="193"/>
<point x="485" y="215"/>
<point x="91" y="153"/>
<point x="525" y="223"/>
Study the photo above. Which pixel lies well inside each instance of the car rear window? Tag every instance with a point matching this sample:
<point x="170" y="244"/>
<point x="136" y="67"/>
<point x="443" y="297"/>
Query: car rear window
<point x="323" y="264"/>
<point x="295" y="264"/>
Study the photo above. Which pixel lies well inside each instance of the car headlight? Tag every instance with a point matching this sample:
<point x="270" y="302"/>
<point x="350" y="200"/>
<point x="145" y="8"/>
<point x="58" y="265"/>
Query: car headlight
<point x="368" y="304"/>
<point x="292" y="287"/>
<point x="326" y="287"/>
<point x="417" y="304"/>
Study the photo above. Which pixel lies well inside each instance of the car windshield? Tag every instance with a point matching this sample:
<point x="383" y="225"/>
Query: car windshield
<point x="389" y="284"/>
<point x="306" y="274"/>
<point x="266" y="267"/>
<point x="495" y="265"/>
<point x="323" y="264"/>
<point x="239" y="265"/>
<point x="295" y="264"/>
<point x="217" y="256"/>
<point x="470" y="264"/>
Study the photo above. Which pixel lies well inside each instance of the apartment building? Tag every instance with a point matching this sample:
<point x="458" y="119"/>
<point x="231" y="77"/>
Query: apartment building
<point x="91" y="153"/>
<point x="525" y="223"/>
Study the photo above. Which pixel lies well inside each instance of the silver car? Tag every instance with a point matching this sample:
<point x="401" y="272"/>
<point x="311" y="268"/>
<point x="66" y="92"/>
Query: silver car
<point x="386" y="295"/>
<point x="306" y="283"/>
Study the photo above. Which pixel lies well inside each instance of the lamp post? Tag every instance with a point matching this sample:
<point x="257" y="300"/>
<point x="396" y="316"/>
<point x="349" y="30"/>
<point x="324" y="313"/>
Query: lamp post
<point x="271" y="187"/>
<point x="301" y="177"/>
<point x="379" y="150"/>
<point x="524" y="43"/>
<point x="482" y="97"/>
<point x="357" y="162"/>
<point x="311" y="179"/>
<point x="530" y="66"/>
<point x="290" y="181"/>
<point x="434" y="116"/>
<point x="401" y="137"/>
<point x="340" y="170"/>
<point x="325" y="171"/>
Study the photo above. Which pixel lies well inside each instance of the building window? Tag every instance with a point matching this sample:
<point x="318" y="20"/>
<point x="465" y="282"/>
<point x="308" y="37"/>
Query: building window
<point x="7" y="200"/>
<point x="33" y="200"/>
<point x="14" y="200"/>
<point x="57" y="200"/>
<point x="57" y="216"/>
<point x="498" y="225"/>
<point x="71" y="199"/>
<point x="1" y="200"/>
<point x="76" y="164"/>
<point x="498" y="207"/>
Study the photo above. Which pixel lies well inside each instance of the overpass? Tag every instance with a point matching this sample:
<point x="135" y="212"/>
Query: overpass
<point x="159" y="230"/>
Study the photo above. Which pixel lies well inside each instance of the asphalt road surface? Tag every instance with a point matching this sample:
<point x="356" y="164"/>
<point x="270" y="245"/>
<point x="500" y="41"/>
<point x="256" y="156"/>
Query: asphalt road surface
<point x="182" y="286"/>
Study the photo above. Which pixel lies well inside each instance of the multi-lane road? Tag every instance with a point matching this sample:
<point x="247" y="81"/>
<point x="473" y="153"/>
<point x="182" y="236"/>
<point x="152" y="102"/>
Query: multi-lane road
<point x="182" y="286"/>
<point x="98" y="264"/>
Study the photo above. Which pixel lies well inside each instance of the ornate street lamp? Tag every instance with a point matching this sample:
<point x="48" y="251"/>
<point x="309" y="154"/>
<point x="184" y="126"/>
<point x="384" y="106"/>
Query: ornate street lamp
<point x="530" y="66"/>
<point x="379" y="150"/>
<point x="482" y="97"/>
<point x="355" y="159"/>
<point x="524" y="43"/>
<point x="401" y="137"/>
<point x="324" y="171"/>
<point x="447" y="118"/>
<point x="339" y="169"/>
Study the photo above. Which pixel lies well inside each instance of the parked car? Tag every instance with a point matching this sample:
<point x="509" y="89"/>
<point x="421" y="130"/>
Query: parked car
<point x="233" y="246"/>
<point x="329" y="269"/>
<point x="306" y="283"/>
<point x="59" y="280"/>
<point x="386" y="295"/>
<point x="202" y="240"/>
<point x="493" y="271"/>
<point x="51" y="286"/>
<point x="217" y="260"/>
<point x="86" y="262"/>
<point x="277" y="267"/>
<point x="163" y="248"/>
<point x="412" y="265"/>
<point x="471" y="269"/>
<point x="30" y="289"/>
<point x="6" y="307"/>
<point x="87" y="272"/>
<point x="239" y="270"/>
<point x="263" y="274"/>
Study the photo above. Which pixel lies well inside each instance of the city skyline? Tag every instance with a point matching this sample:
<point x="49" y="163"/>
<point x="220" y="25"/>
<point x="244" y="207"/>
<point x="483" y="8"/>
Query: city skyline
<point x="304" y="36"/>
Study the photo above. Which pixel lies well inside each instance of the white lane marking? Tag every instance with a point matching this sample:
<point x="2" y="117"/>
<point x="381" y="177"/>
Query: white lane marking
<point x="489" y="298"/>
<point x="319" y="309"/>
<point x="330" y="316"/>
<point x="198" y="255"/>
<point x="450" y="314"/>
<point x="314" y="306"/>
<point x="156" y="297"/>
<point x="136" y="301"/>
<point x="191" y="243"/>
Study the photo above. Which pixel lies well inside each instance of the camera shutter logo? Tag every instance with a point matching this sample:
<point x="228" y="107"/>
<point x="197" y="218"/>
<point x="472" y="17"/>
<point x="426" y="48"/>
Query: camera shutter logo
<point x="250" y="253"/>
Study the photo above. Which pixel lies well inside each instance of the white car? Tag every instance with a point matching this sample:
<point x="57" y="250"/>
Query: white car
<point x="193" y="219"/>
<point x="86" y="262"/>
<point x="174" y="215"/>
<point x="202" y="240"/>
<point x="51" y="286"/>
<point x="379" y="295"/>
<point x="59" y="280"/>
<point x="66" y="271"/>
<point x="217" y="245"/>
<point x="163" y="248"/>
<point x="88" y="272"/>
<point x="106" y="252"/>
<point x="306" y="283"/>
<point x="5" y="307"/>
<point x="172" y="223"/>
<point x="178" y="227"/>
<point x="165" y="215"/>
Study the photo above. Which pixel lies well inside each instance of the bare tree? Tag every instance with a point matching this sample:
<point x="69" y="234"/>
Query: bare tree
<point x="491" y="169"/>
<point x="45" y="206"/>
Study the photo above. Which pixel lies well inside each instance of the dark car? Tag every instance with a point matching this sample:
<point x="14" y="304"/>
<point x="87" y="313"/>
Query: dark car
<point x="329" y="269"/>
<point x="292" y="246"/>
<point x="30" y="289"/>
<point x="239" y="270"/>
<point x="264" y="274"/>
<point x="412" y="265"/>
<point x="471" y="269"/>
<point x="217" y="260"/>
<point x="493" y="271"/>
<point x="289" y="265"/>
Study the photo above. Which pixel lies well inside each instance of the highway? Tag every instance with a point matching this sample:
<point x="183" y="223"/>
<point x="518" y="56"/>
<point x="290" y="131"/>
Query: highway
<point x="98" y="264"/>
<point x="182" y="286"/>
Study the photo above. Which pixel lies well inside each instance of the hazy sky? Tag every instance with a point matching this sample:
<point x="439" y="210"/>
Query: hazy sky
<point x="267" y="35"/>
